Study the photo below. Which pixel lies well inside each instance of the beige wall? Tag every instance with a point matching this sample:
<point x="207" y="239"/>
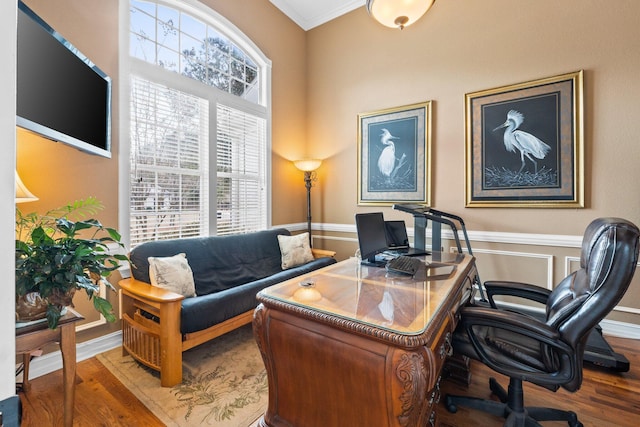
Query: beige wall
<point x="59" y="174"/>
<point x="356" y="65"/>
<point x="461" y="46"/>
<point x="324" y="77"/>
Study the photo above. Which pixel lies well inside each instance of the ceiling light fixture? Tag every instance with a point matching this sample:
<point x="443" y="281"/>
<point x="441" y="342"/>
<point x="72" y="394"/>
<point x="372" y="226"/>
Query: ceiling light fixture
<point x="398" y="13"/>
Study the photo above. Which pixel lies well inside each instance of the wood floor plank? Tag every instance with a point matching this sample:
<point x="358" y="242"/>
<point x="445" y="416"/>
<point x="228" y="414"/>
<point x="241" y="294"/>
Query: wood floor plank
<point x="101" y="400"/>
<point x="606" y="398"/>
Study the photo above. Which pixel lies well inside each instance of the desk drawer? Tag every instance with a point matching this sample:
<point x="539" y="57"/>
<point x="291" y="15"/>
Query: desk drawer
<point x="441" y="349"/>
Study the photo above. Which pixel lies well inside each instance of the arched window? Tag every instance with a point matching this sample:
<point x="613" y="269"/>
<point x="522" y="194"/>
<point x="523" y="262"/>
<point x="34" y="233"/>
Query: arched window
<point x="197" y="121"/>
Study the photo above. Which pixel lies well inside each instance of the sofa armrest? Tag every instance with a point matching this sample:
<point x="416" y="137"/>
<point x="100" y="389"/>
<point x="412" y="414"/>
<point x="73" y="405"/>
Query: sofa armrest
<point x="148" y="292"/>
<point x="319" y="253"/>
<point x="155" y="341"/>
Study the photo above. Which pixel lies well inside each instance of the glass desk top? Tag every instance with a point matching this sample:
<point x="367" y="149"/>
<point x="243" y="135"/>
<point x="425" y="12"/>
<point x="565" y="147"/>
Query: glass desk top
<point x="371" y="295"/>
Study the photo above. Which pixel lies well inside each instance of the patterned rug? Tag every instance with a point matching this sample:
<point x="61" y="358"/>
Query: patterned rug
<point x="224" y="383"/>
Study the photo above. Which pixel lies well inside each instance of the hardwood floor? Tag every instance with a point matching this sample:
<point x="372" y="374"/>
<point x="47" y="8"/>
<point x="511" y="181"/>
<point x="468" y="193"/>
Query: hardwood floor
<point x="101" y="400"/>
<point x="605" y="399"/>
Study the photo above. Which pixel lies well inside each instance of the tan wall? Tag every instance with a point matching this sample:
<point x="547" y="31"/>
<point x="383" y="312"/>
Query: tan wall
<point x="92" y="25"/>
<point x="356" y="65"/>
<point x="59" y="174"/>
<point x="323" y="78"/>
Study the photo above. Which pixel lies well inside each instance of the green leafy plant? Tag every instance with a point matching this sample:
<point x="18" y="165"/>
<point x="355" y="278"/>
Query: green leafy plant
<point x="57" y="255"/>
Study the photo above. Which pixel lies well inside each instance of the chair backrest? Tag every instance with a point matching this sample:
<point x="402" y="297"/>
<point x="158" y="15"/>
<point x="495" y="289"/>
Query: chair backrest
<point x="607" y="264"/>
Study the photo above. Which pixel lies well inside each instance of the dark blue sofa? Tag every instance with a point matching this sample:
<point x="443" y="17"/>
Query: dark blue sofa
<point x="228" y="271"/>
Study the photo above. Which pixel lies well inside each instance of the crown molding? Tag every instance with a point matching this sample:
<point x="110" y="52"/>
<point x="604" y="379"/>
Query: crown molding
<point x="312" y="13"/>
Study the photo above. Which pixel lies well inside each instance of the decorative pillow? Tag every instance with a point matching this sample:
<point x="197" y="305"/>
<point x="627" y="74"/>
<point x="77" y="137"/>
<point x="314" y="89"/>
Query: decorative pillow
<point x="295" y="250"/>
<point x="173" y="274"/>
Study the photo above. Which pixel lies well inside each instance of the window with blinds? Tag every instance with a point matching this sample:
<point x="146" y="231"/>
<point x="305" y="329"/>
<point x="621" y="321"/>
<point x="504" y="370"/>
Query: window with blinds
<point x="198" y="118"/>
<point x="169" y="167"/>
<point x="241" y="181"/>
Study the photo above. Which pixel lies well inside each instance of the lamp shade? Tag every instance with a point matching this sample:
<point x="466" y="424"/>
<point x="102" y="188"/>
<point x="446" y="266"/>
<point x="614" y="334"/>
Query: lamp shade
<point x="308" y="165"/>
<point x="398" y="13"/>
<point x="23" y="194"/>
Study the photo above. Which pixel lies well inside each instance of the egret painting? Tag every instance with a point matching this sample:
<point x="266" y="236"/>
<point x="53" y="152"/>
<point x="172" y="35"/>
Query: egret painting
<point x="524" y="144"/>
<point x="395" y="161"/>
<point x="530" y="149"/>
<point x="393" y="155"/>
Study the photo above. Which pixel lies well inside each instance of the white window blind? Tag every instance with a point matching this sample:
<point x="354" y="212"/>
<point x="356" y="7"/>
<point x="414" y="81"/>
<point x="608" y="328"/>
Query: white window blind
<point x="241" y="171"/>
<point x="199" y="111"/>
<point x="169" y="168"/>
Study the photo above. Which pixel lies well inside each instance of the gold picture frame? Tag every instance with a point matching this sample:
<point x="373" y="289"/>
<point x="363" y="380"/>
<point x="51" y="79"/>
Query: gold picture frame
<point x="525" y="144"/>
<point x="394" y="156"/>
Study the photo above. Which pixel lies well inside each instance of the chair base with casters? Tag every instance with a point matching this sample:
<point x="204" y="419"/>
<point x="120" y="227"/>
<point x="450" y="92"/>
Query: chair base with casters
<point x="547" y="350"/>
<point x="511" y="407"/>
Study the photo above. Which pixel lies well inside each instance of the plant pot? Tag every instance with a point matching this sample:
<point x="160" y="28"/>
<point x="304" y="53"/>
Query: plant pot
<point x="32" y="306"/>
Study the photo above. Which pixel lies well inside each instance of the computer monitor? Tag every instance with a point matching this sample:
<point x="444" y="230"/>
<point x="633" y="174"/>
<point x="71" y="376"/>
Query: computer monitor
<point x="372" y="237"/>
<point x="396" y="234"/>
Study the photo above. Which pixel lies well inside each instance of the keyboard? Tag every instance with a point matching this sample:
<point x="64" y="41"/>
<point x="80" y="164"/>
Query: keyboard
<point x="404" y="264"/>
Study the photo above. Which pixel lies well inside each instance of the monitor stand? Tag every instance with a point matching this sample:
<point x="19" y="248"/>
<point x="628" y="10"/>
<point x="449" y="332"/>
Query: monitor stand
<point x="369" y="262"/>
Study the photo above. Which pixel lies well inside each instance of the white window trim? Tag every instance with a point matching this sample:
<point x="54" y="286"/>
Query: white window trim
<point x="230" y="31"/>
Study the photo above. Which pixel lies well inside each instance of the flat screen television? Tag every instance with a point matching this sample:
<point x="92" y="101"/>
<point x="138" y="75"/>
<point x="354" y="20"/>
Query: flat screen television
<point x="61" y="94"/>
<point x="372" y="237"/>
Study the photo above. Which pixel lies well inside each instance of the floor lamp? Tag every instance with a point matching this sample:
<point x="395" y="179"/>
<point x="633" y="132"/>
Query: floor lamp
<point x="308" y="166"/>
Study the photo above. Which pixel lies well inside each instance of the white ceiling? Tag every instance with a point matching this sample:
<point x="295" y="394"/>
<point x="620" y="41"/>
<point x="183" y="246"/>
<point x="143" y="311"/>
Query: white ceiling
<point x="311" y="13"/>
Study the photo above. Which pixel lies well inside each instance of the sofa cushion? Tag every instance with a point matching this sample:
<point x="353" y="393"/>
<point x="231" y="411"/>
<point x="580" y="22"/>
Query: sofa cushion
<point x="295" y="250"/>
<point x="218" y="262"/>
<point x="172" y="273"/>
<point x="205" y="311"/>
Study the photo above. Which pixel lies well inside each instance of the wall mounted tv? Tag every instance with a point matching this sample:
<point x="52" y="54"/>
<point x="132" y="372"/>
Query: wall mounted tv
<point x="61" y="94"/>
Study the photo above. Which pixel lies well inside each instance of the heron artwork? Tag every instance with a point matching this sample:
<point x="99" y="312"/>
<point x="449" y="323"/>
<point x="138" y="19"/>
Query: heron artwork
<point x="388" y="163"/>
<point x="387" y="159"/>
<point x="528" y="145"/>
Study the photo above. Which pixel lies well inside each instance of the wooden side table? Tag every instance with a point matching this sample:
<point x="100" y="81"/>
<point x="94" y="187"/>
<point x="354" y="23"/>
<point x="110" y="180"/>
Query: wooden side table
<point x="33" y="337"/>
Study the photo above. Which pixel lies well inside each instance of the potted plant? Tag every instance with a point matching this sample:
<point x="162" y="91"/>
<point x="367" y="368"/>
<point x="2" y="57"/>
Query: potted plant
<point x="57" y="255"/>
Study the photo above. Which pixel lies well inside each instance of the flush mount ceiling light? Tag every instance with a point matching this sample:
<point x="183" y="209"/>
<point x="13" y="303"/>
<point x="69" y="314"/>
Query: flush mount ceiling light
<point x="398" y="13"/>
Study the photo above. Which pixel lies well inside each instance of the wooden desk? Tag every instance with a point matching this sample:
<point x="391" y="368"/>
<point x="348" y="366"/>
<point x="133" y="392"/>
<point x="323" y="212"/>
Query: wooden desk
<point x="366" y="351"/>
<point x="35" y="336"/>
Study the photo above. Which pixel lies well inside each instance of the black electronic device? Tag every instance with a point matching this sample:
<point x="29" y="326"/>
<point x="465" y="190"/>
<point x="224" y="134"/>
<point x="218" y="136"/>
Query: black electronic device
<point x="372" y="238"/>
<point x="398" y="240"/>
<point x="61" y="94"/>
<point x="405" y="265"/>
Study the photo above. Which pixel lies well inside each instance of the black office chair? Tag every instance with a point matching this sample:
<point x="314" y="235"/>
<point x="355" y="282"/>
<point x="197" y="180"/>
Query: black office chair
<point x="548" y="353"/>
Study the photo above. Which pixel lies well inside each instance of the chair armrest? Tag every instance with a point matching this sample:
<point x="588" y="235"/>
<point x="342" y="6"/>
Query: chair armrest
<point x="522" y="325"/>
<point x="147" y="292"/>
<point x="511" y="321"/>
<point x="517" y="289"/>
<point x="319" y="253"/>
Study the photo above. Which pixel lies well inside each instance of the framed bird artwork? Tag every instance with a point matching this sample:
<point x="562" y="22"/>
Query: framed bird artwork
<point x="394" y="155"/>
<point x="524" y="144"/>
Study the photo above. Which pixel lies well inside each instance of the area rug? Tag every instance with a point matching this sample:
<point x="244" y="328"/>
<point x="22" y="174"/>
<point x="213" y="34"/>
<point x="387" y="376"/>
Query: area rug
<point x="224" y="383"/>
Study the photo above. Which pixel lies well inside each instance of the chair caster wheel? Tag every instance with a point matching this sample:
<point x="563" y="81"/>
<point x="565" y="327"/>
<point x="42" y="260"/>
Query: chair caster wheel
<point x="451" y="407"/>
<point x="573" y="422"/>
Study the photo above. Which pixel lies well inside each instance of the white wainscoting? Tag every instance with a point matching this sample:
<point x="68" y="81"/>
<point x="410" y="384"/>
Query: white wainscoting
<point x="85" y="350"/>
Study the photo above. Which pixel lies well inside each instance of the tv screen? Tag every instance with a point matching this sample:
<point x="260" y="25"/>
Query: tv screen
<point x="372" y="237"/>
<point x="61" y="94"/>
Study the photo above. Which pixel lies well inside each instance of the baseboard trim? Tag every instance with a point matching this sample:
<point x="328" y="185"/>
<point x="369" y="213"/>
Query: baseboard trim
<point x="620" y="329"/>
<point x="51" y="362"/>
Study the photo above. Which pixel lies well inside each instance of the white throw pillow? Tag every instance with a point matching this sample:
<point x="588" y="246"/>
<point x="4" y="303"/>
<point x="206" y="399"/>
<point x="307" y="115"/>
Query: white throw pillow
<point x="173" y="274"/>
<point x="295" y="250"/>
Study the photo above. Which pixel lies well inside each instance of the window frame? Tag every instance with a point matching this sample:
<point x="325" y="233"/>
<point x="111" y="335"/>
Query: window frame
<point x="133" y="66"/>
